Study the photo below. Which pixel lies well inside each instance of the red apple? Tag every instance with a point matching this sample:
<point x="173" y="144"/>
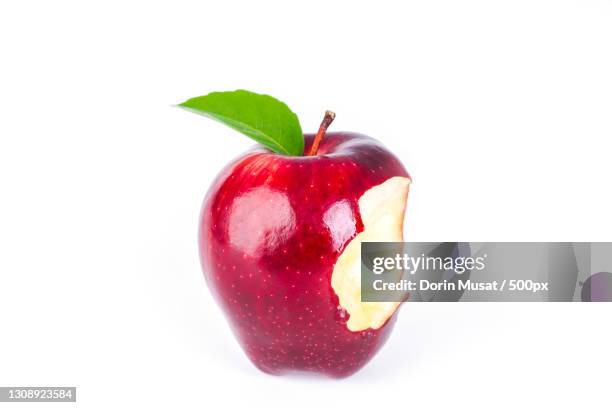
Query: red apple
<point x="280" y="249"/>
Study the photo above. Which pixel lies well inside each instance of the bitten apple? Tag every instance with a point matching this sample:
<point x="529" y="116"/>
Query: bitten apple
<point x="280" y="249"/>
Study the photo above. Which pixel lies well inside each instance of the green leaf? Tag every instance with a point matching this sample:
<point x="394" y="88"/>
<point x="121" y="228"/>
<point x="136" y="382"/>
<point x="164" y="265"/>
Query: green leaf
<point x="261" y="117"/>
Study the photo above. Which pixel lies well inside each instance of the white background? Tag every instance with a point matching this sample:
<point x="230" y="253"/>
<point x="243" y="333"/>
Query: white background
<point x="501" y="111"/>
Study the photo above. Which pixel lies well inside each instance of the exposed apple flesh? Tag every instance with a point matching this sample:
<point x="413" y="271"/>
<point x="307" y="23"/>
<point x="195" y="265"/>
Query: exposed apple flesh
<point x="277" y="232"/>
<point x="382" y="213"/>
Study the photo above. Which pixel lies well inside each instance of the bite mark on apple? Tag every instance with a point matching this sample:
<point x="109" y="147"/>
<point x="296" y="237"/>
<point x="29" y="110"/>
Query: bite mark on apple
<point x="382" y="209"/>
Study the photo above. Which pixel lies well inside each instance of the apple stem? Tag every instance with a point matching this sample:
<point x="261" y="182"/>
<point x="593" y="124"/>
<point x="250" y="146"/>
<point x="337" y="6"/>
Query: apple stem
<point x="327" y="120"/>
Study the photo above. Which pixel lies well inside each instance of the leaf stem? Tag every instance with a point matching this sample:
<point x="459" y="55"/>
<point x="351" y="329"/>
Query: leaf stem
<point x="327" y="120"/>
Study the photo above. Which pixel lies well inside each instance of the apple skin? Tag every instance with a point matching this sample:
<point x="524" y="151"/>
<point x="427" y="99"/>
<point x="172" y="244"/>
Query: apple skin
<point x="271" y="230"/>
